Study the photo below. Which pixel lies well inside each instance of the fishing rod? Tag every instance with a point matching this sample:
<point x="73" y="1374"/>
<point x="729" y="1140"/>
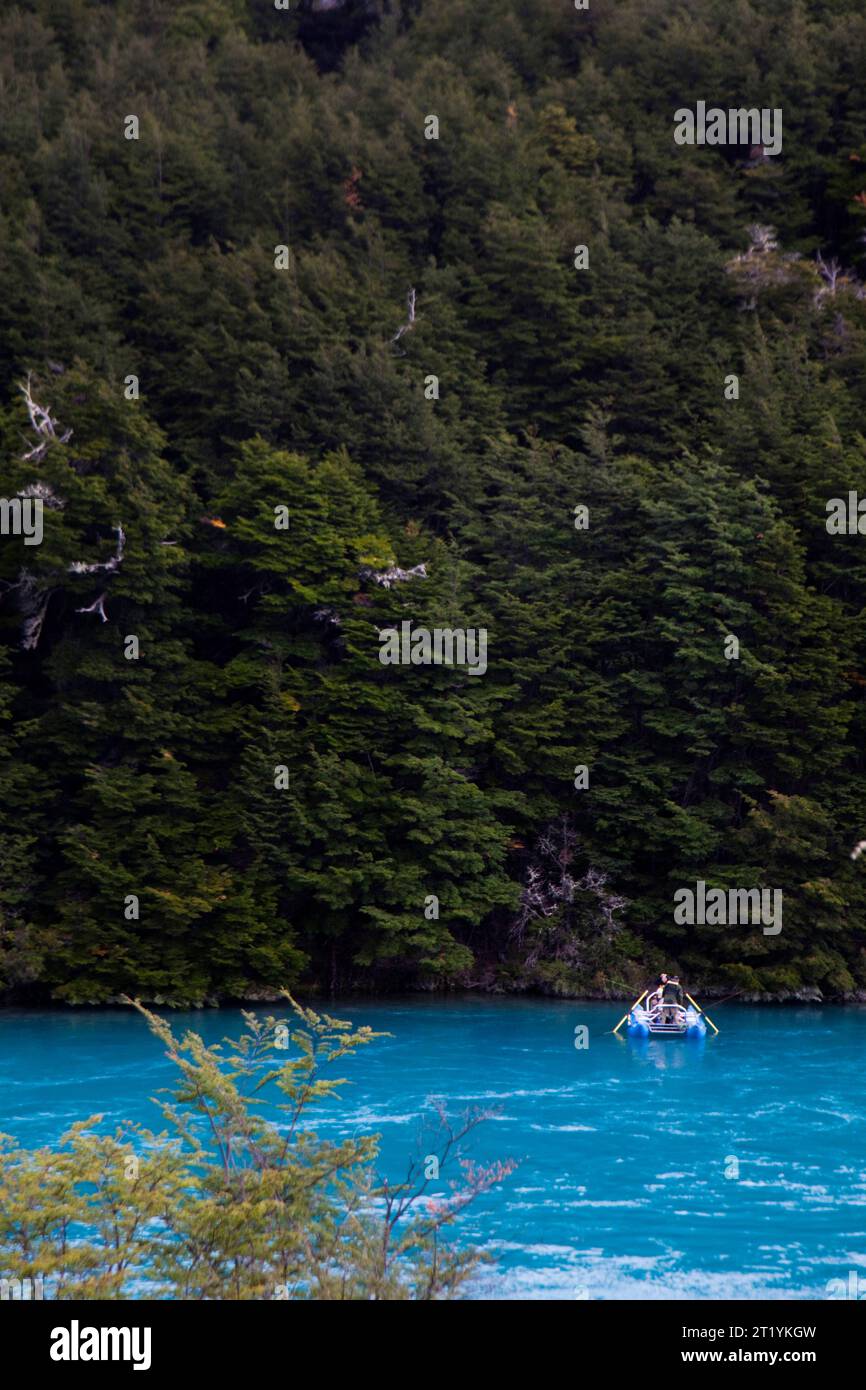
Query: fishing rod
<point x="727" y="999"/>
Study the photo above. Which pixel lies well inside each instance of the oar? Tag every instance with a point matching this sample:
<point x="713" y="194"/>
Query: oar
<point x="625" y="1015"/>
<point x="700" y="1011"/>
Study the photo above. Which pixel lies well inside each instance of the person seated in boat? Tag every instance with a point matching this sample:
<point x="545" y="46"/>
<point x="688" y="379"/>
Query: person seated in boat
<point x="655" y="998"/>
<point x="672" y="1000"/>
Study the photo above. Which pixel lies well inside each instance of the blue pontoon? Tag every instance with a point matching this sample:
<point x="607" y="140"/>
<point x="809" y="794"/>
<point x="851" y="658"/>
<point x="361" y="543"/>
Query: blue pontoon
<point x="666" y="1020"/>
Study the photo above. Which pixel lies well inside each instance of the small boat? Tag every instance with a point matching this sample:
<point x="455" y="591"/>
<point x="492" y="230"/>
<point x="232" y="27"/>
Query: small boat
<point x="669" y="1021"/>
<point x="665" y="1020"/>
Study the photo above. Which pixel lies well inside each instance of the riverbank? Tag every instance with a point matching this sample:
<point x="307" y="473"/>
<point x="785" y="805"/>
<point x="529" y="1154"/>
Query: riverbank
<point x="316" y="993"/>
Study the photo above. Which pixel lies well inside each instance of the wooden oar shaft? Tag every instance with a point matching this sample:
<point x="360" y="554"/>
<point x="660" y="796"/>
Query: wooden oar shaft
<point x="625" y="1015"/>
<point x="701" y="1011"/>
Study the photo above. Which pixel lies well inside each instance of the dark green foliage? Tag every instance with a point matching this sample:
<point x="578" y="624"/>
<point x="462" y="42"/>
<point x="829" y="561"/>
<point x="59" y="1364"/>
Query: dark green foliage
<point x="256" y="799"/>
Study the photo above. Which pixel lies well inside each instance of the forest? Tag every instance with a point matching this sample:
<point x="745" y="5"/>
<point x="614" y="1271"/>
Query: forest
<point x="319" y="320"/>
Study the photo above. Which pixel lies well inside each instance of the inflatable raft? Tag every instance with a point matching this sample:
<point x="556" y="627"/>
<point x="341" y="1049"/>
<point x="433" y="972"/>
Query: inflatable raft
<point x="665" y="1021"/>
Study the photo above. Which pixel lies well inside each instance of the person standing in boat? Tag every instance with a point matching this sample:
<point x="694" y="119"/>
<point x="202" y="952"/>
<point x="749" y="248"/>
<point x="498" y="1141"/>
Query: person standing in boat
<point x="672" y="999"/>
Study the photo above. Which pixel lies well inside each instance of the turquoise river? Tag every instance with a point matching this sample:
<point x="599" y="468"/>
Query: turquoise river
<point x="729" y="1168"/>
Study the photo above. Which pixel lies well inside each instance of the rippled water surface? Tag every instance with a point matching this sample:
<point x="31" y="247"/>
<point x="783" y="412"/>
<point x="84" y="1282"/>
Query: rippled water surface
<point x="623" y="1147"/>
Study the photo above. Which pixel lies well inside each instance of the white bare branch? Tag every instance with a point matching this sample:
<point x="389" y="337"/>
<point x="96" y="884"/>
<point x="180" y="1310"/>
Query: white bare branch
<point x="31" y="628"/>
<point x="394" y="575"/>
<point x="46" y="494"/>
<point x="32" y="602"/>
<point x="107" y="566"/>
<point x="324" y="615"/>
<point x="762" y="238"/>
<point x="33" y="595"/>
<point x="42" y="422"/>
<point x="829" y="271"/>
<point x="835" y="277"/>
<point x="98" y="606"/>
<point x="410" y="318"/>
<point x="110" y="565"/>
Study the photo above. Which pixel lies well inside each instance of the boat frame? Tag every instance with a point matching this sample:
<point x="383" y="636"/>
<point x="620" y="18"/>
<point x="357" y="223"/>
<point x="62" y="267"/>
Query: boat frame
<point x="650" y="1022"/>
<point x="646" y="1023"/>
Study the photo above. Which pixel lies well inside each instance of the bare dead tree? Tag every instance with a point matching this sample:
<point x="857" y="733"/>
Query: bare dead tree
<point x="42" y="422"/>
<point x="761" y="239"/>
<point x="394" y="575"/>
<point x="32" y="602"/>
<point x="835" y="277"/>
<point x="97" y="606"/>
<point x="32" y="593"/>
<point x="410" y="318"/>
<point x="551" y="891"/>
<point x="32" y="596"/>
<point x="829" y="271"/>
<point x="762" y="265"/>
<point x="409" y="1216"/>
<point x="549" y="883"/>
<point x="43" y="492"/>
<point x="110" y="565"/>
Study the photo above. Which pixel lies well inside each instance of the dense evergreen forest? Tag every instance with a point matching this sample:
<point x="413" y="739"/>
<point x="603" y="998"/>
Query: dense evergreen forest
<point x="204" y="307"/>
